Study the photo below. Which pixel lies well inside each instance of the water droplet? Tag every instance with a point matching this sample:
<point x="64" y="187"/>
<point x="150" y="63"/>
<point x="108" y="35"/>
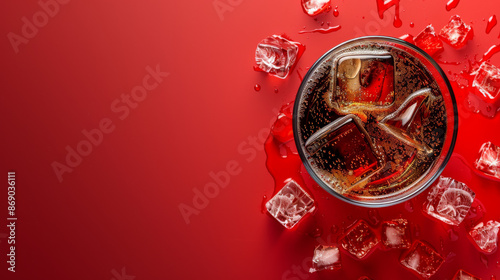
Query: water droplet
<point x="409" y="206"/>
<point x="416" y="230"/>
<point x="451" y="4"/>
<point x="450" y="257"/>
<point x="317" y="232"/>
<point x="263" y="208"/>
<point x="492" y="21"/>
<point x="452" y="234"/>
<point x="256" y="87"/>
<point x="484" y="259"/>
<point x="334" y="229"/>
<point x="412" y="24"/>
<point x="374" y="217"/>
<point x="276" y="90"/>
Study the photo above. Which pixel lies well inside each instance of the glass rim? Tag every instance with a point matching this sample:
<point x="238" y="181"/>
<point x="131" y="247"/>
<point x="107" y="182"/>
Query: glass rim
<point x="422" y="185"/>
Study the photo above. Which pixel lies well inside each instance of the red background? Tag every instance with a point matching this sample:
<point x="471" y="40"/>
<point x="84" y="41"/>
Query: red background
<point x="119" y="208"/>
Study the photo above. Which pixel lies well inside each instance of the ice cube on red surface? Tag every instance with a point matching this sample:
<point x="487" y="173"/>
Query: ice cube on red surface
<point x="396" y="234"/>
<point x="282" y="128"/>
<point x="486" y="235"/>
<point x="277" y="55"/>
<point x="429" y="41"/>
<point x="345" y="148"/>
<point x="456" y="33"/>
<point x="489" y="160"/>
<point x="359" y="240"/>
<point x="449" y="201"/>
<point x="364" y="79"/>
<point x="422" y="259"/>
<point x="464" y="275"/>
<point x="315" y="7"/>
<point x="290" y="204"/>
<point x="487" y="81"/>
<point x="408" y="38"/>
<point x="326" y="258"/>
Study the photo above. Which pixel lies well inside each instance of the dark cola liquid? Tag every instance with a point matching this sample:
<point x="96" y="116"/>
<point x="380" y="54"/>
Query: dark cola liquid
<point x="371" y="120"/>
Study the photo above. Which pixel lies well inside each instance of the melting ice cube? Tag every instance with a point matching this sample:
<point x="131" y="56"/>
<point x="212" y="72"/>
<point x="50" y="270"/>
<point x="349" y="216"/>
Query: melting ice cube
<point x="396" y="234"/>
<point x="408" y="38"/>
<point x="422" y="259"/>
<point x="359" y="240"/>
<point x="277" y="55"/>
<point x="405" y="122"/>
<point x="449" y="201"/>
<point x="456" y="33"/>
<point x="344" y="148"/>
<point x="486" y="235"/>
<point x="326" y="258"/>
<point x="429" y="41"/>
<point x="489" y="159"/>
<point x="363" y="79"/>
<point x="464" y="275"/>
<point x="290" y="204"/>
<point x="487" y="80"/>
<point x="315" y="7"/>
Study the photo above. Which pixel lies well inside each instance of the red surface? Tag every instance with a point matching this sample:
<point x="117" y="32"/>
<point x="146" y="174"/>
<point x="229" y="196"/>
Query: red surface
<point x="118" y="212"/>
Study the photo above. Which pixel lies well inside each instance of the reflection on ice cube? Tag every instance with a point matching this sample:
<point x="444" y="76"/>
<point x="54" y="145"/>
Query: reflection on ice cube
<point x="422" y="259"/>
<point x="489" y="160"/>
<point x="429" y="41"/>
<point x="456" y="33"/>
<point x="405" y="122"/>
<point x="449" y="201"/>
<point x="277" y="55"/>
<point x="344" y="148"/>
<point x="487" y="80"/>
<point x="486" y="235"/>
<point x="362" y="79"/>
<point x="396" y="234"/>
<point x="326" y="258"/>
<point x="290" y="204"/>
<point x="315" y="7"/>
